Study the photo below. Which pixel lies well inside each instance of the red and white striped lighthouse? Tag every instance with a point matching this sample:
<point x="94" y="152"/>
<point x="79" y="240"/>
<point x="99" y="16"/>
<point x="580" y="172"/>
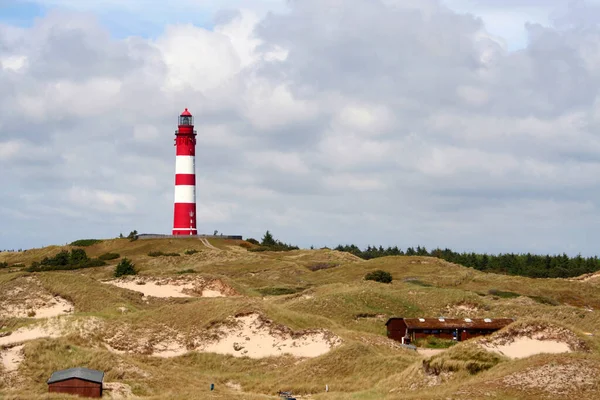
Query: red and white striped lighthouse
<point x="184" y="216"/>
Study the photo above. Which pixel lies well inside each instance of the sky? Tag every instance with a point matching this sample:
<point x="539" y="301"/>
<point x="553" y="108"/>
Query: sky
<point x="472" y="125"/>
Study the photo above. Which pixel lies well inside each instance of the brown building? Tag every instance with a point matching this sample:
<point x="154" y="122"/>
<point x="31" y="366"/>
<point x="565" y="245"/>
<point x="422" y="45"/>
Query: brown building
<point x="407" y="330"/>
<point x="79" y="381"/>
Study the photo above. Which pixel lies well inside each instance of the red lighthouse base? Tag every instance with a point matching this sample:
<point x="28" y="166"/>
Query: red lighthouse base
<point x="185" y="219"/>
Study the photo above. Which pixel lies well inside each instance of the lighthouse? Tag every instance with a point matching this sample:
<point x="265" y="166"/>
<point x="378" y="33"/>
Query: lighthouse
<point x="184" y="215"/>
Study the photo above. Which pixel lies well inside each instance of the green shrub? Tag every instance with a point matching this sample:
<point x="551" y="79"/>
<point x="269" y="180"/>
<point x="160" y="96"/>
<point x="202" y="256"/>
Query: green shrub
<point x="161" y="254"/>
<point x="502" y="294"/>
<point x="125" y="267"/>
<point x="109" y="256"/>
<point x="3" y="264"/>
<point x="323" y="265"/>
<point x="379" y="276"/>
<point x="186" y="271"/>
<point x="545" y="300"/>
<point x="279" y="291"/>
<point x="85" y="242"/>
<point x="253" y="241"/>
<point x="190" y="252"/>
<point x="432" y="342"/>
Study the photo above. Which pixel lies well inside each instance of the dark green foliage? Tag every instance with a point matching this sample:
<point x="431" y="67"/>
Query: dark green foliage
<point x="531" y="265"/>
<point x="379" y="276"/>
<point x="545" y="300"/>
<point x="133" y="235"/>
<point x="85" y="242"/>
<point x="417" y="282"/>
<point x="160" y="253"/>
<point x="64" y="260"/>
<point x="253" y="241"/>
<point x="278" y="291"/>
<point x="504" y="295"/>
<point x="320" y="266"/>
<point x="3" y="264"/>
<point x="109" y="256"/>
<point x="432" y="342"/>
<point x="190" y="252"/>
<point x="187" y="271"/>
<point x="125" y="267"/>
<point x="271" y="244"/>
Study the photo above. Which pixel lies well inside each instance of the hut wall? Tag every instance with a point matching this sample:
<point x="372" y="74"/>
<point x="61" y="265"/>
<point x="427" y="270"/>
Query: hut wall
<point x="77" y="386"/>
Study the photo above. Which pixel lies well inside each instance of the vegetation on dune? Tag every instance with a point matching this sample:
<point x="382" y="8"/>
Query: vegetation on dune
<point x="379" y="276"/>
<point x="190" y="252"/>
<point x="269" y="243"/>
<point x="531" y="265"/>
<point x="161" y="254"/>
<point x="462" y="357"/>
<point x="109" y="256"/>
<point x="76" y="259"/>
<point x="3" y="264"/>
<point x="432" y="342"/>
<point x="125" y="267"/>
<point x="85" y="242"/>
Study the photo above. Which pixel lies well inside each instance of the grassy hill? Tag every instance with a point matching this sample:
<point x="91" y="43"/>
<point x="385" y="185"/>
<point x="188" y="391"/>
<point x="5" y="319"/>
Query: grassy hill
<point x="315" y="302"/>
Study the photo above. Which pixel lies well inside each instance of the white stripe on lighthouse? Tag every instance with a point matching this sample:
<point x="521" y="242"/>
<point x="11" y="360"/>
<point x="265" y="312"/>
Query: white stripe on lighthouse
<point x="185" y="194"/>
<point x="185" y="165"/>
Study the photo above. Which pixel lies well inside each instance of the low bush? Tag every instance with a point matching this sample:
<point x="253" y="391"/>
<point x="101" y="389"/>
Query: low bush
<point x="109" y="256"/>
<point x="161" y="254"/>
<point x="503" y="294"/>
<point x="186" y="271"/>
<point x="85" y="242"/>
<point x="190" y="252"/>
<point x="545" y="300"/>
<point x="432" y="342"/>
<point x="65" y="261"/>
<point x="125" y="267"/>
<point x="246" y="245"/>
<point x="320" y="266"/>
<point x="379" y="276"/>
<point x="253" y="241"/>
<point x="3" y="264"/>
<point x="279" y="291"/>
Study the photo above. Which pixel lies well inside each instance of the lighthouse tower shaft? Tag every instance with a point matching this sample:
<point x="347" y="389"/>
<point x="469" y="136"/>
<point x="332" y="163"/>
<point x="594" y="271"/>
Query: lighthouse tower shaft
<point x="184" y="215"/>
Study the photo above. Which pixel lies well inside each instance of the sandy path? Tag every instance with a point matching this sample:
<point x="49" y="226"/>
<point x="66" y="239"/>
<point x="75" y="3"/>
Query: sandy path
<point x="429" y="352"/>
<point x="206" y="243"/>
<point x="11" y="358"/>
<point x="524" y="347"/>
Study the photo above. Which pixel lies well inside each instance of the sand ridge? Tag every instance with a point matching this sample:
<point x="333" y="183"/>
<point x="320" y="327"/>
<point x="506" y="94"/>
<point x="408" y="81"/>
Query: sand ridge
<point x="180" y="286"/>
<point x="529" y="339"/>
<point x="27" y="298"/>
<point x="248" y="335"/>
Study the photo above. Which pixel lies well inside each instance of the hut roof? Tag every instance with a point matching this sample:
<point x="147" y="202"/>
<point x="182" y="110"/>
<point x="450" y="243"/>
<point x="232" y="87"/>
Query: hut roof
<point x="85" y="374"/>
<point x="455" y="323"/>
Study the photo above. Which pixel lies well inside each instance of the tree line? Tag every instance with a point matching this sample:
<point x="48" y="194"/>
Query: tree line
<point x="531" y="265"/>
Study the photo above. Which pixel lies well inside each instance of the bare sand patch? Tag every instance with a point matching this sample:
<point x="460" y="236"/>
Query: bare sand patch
<point x="181" y="286"/>
<point x="429" y="352"/>
<point x="244" y="335"/>
<point x="255" y="337"/>
<point x="52" y="328"/>
<point x="11" y="358"/>
<point x="527" y="339"/>
<point x="27" y="298"/>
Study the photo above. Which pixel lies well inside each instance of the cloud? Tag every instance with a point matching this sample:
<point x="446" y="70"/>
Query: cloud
<point x="389" y="122"/>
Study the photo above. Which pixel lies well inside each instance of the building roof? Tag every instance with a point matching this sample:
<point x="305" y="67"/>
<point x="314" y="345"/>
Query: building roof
<point x="455" y="323"/>
<point x="85" y="374"/>
<point x="186" y="113"/>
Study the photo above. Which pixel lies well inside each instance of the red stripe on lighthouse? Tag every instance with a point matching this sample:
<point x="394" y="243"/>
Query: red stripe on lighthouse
<point x="185" y="179"/>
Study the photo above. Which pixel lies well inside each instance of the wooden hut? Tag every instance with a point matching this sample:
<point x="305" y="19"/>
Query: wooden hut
<point x="78" y="381"/>
<point x="407" y="330"/>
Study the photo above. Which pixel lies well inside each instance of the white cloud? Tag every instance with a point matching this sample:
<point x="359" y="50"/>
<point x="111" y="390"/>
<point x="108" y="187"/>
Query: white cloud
<point x="407" y="121"/>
